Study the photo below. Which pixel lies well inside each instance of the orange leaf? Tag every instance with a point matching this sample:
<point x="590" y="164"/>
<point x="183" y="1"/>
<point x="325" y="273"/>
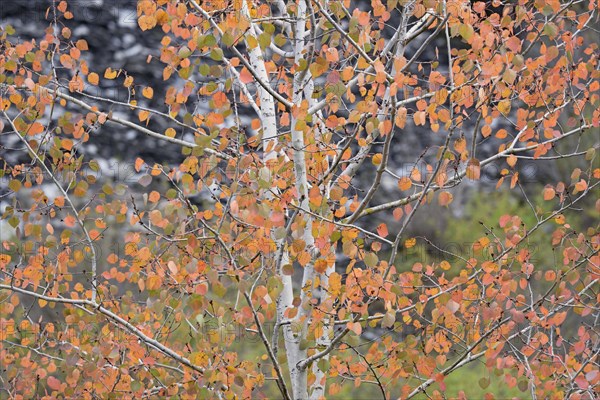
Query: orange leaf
<point x="70" y="221"/>
<point x="154" y="196"/>
<point x="82" y="45"/>
<point x="148" y="92"/>
<point x="581" y="185"/>
<point x="377" y="158"/>
<point x="355" y="327"/>
<point x="321" y="265"/>
<point x="67" y="144"/>
<point x="460" y="145"/>
<point x="138" y="164"/>
<point x="404" y="183"/>
<point x="35" y="129"/>
<point x="511" y="160"/>
<point x="246" y="76"/>
<point x="153" y="282"/>
<point x="304" y="258"/>
<point x="445" y="198"/>
<point x="382" y="230"/>
<point x="53" y="383"/>
<point x="419" y="118"/>
<point x="398" y="213"/>
<point x="473" y="169"/>
<point x="486" y="131"/>
<point x="147" y="22"/>
<point x="93" y="78"/>
<point x="401" y="117"/>
<point x="559" y="318"/>
<point x="144" y="115"/>
<point x="549" y="193"/>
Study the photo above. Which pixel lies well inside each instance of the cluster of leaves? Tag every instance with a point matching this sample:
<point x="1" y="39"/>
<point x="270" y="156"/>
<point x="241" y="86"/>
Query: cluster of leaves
<point x="331" y="86"/>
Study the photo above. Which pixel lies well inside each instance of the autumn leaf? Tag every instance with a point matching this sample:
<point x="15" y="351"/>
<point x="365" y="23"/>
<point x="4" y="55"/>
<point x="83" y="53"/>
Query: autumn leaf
<point x="408" y="243"/>
<point x="549" y="193"/>
<point x="511" y="160"/>
<point x="382" y="230"/>
<point x="404" y="183"/>
<point x="110" y="73"/>
<point x="53" y="383"/>
<point x="213" y="218"/>
<point x="93" y="78"/>
<point x="148" y="92"/>
<point x="445" y="198"/>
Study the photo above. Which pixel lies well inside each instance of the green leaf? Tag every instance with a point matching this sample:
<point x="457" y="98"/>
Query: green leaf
<point x="323" y="364"/>
<point x="274" y="286"/>
<point x="227" y="39"/>
<point x="219" y="289"/>
<point x="484" y="383"/>
<point x="523" y="385"/>
<point x="550" y="30"/>
<point x="216" y="54"/>
<point x="371" y="260"/>
<point x="14" y="185"/>
<point x="204" y="69"/>
<point x="107" y="189"/>
<point x="466" y="31"/>
<point x="264" y="40"/>
<point x="335" y="236"/>
<point x="14" y="221"/>
<point x="171" y="194"/>
<point x="94" y="165"/>
<point x="184" y="52"/>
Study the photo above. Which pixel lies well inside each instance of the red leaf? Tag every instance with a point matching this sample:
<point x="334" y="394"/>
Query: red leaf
<point x="382" y="230"/>
<point x="53" y="383"/>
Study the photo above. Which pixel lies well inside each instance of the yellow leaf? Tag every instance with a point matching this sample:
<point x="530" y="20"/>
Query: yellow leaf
<point x="110" y="73"/>
<point x="445" y="265"/>
<point x="153" y="282"/>
<point x="504" y="106"/>
<point x="170" y="132"/>
<point x="408" y="243"/>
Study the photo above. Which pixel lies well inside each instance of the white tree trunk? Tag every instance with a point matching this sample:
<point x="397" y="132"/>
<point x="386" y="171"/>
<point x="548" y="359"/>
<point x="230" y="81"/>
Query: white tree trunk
<point x="269" y="125"/>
